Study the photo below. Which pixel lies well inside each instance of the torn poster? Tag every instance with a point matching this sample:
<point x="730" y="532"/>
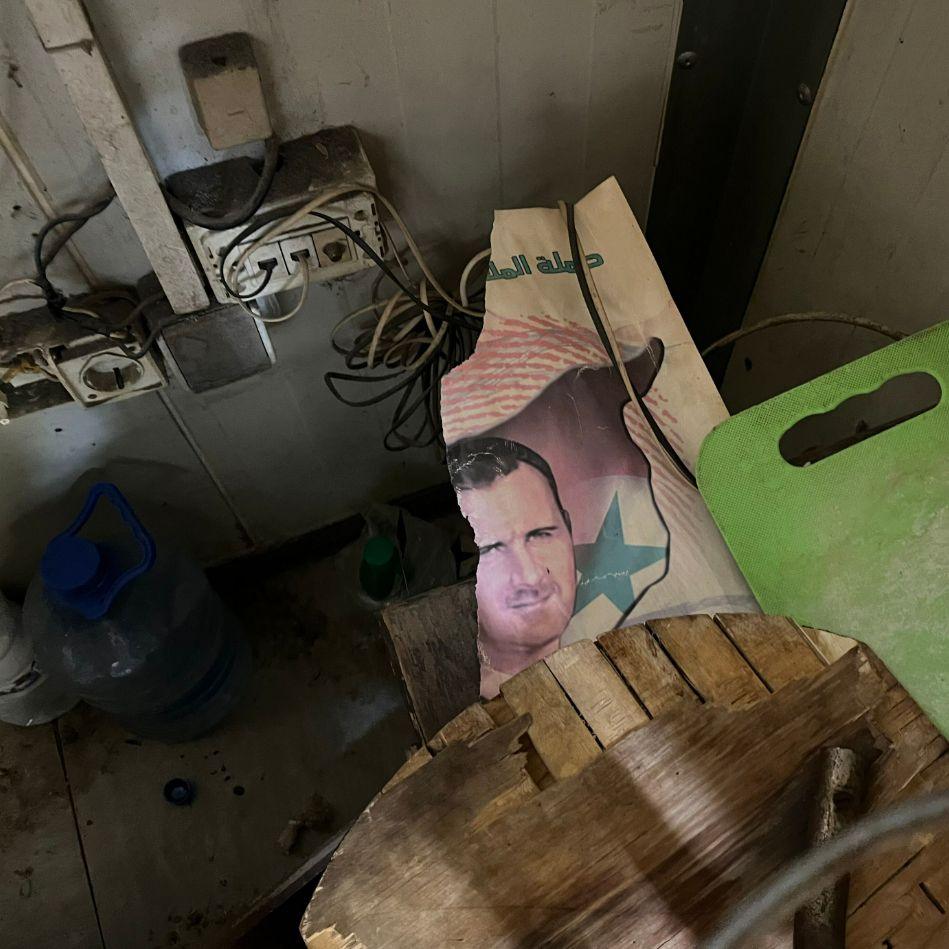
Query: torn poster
<point x="581" y="519"/>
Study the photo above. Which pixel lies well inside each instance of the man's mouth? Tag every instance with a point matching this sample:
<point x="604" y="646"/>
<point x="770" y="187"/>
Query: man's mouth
<point x="527" y="604"/>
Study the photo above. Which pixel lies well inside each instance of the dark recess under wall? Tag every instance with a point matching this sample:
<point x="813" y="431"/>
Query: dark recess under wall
<point x="739" y="99"/>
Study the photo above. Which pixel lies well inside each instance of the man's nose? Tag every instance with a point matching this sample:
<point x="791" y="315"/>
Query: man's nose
<point x="525" y="569"/>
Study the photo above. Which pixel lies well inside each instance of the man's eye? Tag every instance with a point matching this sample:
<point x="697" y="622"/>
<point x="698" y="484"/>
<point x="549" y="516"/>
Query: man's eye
<point x="486" y="550"/>
<point x="543" y="532"/>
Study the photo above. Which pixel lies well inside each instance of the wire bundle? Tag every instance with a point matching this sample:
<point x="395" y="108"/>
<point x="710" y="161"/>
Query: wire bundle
<point x="414" y="336"/>
<point x="121" y="332"/>
<point x="410" y="342"/>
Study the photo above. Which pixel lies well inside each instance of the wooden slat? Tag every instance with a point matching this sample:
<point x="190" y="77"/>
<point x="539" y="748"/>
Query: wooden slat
<point x="418" y="759"/>
<point x="911" y="910"/>
<point x="500" y="712"/>
<point x="331" y="939"/>
<point x="598" y="693"/>
<point x="633" y="853"/>
<point x="773" y="645"/>
<point x="563" y="742"/>
<point x="98" y="100"/>
<point x="646" y="668"/>
<point x="870" y="874"/>
<point x="434" y="638"/>
<point x="711" y="663"/>
<point x="830" y="646"/>
<point x="467" y="725"/>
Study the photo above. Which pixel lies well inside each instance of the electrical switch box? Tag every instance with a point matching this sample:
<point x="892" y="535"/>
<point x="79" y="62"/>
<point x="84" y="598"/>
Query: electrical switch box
<point x="306" y="166"/>
<point x="225" y="88"/>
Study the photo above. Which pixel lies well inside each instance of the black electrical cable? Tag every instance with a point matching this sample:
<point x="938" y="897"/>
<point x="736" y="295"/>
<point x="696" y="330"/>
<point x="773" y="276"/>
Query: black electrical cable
<point x="660" y="436"/>
<point x="417" y="392"/>
<point x="255" y="226"/>
<point x="41" y="260"/>
<point x="223" y="222"/>
<point x="268" y="266"/>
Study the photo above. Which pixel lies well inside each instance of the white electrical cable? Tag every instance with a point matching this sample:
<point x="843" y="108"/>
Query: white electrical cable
<point x="22" y="282"/>
<point x="466" y="274"/>
<point x="304" y="268"/>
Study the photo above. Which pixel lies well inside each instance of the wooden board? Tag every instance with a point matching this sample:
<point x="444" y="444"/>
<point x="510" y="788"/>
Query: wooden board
<point x="660" y="849"/>
<point x="562" y="740"/>
<point x="434" y="641"/>
<point x="468" y="725"/>
<point x="647" y="669"/>
<point x="716" y="670"/>
<point x="45" y="898"/>
<point x="884" y="893"/>
<point x="596" y="691"/>
<point x="778" y="659"/>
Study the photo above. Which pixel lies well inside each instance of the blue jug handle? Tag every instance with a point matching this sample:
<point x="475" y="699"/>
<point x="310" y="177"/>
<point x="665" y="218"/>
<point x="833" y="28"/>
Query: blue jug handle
<point x="105" y="489"/>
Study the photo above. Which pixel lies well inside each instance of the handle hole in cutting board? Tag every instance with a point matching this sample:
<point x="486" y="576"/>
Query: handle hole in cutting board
<point x="860" y="417"/>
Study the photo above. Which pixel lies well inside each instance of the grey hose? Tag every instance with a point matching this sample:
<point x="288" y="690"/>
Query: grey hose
<point x="815" y="316"/>
<point x="760" y="911"/>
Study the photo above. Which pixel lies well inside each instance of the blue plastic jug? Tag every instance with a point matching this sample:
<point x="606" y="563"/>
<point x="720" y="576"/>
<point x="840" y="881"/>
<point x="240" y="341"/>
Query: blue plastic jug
<point x="134" y="629"/>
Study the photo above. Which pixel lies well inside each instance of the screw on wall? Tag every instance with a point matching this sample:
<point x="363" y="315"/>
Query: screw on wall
<point x="804" y="94"/>
<point x="687" y="59"/>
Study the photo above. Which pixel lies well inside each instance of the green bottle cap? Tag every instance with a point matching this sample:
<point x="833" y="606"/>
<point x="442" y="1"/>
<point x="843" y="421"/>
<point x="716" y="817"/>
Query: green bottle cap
<point x="379" y="567"/>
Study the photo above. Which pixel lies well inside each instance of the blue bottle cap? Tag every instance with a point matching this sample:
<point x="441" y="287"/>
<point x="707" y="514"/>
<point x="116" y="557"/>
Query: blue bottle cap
<point x="70" y="564"/>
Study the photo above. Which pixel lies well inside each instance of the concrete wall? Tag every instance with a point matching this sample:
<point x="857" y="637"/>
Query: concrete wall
<point x="864" y="227"/>
<point x="464" y="106"/>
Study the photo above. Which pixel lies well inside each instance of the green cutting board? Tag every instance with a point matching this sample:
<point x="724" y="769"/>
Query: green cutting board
<point x="858" y="542"/>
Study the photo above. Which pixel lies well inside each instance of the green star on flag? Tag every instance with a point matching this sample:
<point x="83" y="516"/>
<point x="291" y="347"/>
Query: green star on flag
<point x="606" y="566"/>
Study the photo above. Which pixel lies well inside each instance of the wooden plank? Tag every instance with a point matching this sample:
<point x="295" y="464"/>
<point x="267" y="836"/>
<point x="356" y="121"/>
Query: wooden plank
<point x="597" y="692"/>
<point x="646" y="669"/>
<point x="773" y="645"/>
<point x="872" y="872"/>
<point x="44" y="898"/>
<point x="100" y="106"/>
<point x="331" y="939"/>
<point x="563" y="742"/>
<point x="434" y="638"/>
<point x="418" y="759"/>
<point x="467" y="725"/>
<point x="829" y="646"/>
<point x="631" y="854"/>
<point x="911" y="909"/>
<point x="709" y="660"/>
<point x="500" y="712"/>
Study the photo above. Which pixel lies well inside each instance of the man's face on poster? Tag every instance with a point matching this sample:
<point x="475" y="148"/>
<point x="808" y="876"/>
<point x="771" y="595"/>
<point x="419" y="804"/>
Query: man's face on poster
<point x="526" y="573"/>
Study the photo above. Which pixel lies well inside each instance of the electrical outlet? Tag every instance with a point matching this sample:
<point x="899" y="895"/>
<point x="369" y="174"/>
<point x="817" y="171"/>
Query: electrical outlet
<point x="309" y="164"/>
<point x="257" y="264"/>
<point x="293" y="247"/>
<point x="332" y="247"/>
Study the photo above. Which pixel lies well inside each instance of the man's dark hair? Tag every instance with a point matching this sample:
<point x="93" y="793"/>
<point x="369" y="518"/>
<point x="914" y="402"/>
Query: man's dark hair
<point x="478" y="462"/>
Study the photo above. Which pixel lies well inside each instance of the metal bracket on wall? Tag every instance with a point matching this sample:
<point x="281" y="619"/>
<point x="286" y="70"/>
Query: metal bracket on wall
<point x="68" y="37"/>
<point x="740" y="95"/>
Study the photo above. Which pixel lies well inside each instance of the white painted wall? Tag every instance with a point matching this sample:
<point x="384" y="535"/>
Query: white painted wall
<point x="464" y="106"/>
<point x="864" y="227"/>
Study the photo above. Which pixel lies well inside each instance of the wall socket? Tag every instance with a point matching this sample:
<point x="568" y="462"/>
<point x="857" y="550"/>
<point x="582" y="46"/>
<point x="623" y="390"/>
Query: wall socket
<point x="306" y="166"/>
